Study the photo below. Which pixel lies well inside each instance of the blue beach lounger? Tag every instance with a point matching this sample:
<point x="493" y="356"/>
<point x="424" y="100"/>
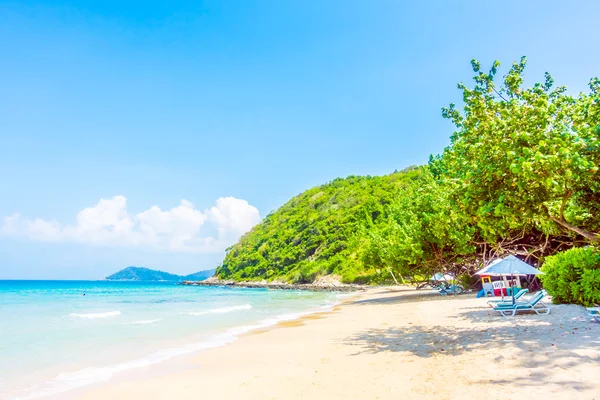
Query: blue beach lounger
<point x="594" y="313"/>
<point x="508" y="299"/>
<point x="452" y="289"/>
<point x="534" y="304"/>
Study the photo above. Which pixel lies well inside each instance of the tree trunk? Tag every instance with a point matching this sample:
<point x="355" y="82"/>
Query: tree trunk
<point x="391" y="273"/>
<point x="591" y="236"/>
<point x="402" y="279"/>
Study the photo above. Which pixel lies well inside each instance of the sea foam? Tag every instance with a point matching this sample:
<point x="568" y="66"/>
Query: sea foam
<point x="97" y="315"/>
<point x="223" y="310"/>
<point x="72" y="380"/>
<point x="144" y="322"/>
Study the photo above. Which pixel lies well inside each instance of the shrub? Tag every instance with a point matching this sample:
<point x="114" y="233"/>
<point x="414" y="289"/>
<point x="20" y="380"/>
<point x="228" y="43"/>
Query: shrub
<point x="573" y="276"/>
<point x="308" y="272"/>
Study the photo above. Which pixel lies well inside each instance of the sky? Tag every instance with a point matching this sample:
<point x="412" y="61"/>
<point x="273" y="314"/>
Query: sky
<point x="156" y="133"/>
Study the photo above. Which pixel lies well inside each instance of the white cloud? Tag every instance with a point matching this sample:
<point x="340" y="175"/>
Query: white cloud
<point x="233" y="216"/>
<point x="10" y="226"/>
<point x="179" y="229"/>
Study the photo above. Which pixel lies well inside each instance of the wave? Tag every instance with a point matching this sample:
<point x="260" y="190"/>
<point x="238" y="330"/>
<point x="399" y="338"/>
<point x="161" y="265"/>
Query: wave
<point x="68" y="381"/>
<point x="156" y="301"/>
<point x="97" y="315"/>
<point x="72" y="380"/>
<point x="143" y="322"/>
<point x="223" y="310"/>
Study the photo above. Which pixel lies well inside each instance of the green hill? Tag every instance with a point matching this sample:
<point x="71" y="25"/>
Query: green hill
<point x="314" y="233"/>
<point x="147" y="274"/>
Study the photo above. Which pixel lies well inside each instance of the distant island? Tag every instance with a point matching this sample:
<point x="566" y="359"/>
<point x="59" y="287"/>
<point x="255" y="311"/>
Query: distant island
<point x="147" y="274"/>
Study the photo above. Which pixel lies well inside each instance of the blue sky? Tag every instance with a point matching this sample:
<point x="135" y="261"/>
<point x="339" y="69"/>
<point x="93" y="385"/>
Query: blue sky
<point x="234" y="106"/>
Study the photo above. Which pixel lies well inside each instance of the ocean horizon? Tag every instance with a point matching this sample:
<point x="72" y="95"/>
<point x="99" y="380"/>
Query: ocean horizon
<point x="59" y="335"/>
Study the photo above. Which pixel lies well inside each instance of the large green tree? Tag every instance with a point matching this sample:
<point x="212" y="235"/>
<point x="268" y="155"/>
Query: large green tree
<point x="524" y="158"/>
<point x="422" y="232"/>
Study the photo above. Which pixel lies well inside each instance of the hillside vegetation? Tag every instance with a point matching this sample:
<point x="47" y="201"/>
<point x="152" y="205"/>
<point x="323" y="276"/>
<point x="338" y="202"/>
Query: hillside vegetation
<point x="521" y="175"/>
<point x="147" y="274"/>
<point x="315" y="233"/>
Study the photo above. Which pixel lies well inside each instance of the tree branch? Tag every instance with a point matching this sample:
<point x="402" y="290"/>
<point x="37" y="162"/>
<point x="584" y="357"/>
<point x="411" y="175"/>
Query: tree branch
<point x="566" y="197"/>
<point x="594" y="237"/>
<point x="591" y="236"/>
<point x="498" y="93"/>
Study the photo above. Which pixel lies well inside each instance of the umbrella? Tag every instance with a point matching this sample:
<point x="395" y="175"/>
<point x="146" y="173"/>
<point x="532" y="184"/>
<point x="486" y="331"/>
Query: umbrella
<point x="510" y="265"/>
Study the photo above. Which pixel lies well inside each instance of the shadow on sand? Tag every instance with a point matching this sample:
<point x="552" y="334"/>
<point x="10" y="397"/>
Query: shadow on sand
<point x="537" y="342"/>
<point x="408" y="295"/>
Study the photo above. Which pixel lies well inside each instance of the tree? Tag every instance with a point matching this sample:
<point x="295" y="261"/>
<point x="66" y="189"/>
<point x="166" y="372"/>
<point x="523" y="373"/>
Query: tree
<point x="524" y="158"/>
<point x="422" y="233"/>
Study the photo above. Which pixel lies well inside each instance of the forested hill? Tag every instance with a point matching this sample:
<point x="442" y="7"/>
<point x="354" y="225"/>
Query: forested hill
<point x="147" y="274"/>
<point x="142" y="274"/>
<point x="521" y="176"/>
<point x="313" y="233"/>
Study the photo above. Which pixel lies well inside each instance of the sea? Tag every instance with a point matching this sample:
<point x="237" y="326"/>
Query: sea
<point x="56" y="336"/>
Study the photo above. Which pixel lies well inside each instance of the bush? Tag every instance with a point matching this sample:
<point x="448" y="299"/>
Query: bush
<point x="308" y="272"/>
<point x="573" y="276"/>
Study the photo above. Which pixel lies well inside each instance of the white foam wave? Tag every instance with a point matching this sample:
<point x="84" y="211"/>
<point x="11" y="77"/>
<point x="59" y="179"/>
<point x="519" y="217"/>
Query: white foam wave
<point x="72" y="380"/>
<point x="97" y="315"/>
<point x="143" y="322"/>
<point x="223" y="310"/>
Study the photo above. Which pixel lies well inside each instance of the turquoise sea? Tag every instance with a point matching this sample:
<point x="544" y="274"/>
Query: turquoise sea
<point x="56" y="336"/>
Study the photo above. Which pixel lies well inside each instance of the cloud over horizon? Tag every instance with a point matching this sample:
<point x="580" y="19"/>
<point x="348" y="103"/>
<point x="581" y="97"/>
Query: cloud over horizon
<point x="109" y="223"/>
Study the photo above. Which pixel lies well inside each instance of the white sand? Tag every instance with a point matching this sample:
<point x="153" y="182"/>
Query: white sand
<point x="390" y="344"/>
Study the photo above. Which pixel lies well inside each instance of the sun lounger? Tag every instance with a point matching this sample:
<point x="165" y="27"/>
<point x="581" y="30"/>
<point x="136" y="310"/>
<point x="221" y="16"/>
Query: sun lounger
<point x="452" y="289"/>
<point x="508" y="299"/>
<point x="534" y="304"/>
<point x="594" y="313"/>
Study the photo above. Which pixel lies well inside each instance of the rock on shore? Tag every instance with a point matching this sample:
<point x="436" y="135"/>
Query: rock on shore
<point x="324" y="284"/>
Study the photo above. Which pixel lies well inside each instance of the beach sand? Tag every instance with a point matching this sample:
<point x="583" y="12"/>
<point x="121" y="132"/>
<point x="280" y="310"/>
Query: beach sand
<point x="389" y="343"/>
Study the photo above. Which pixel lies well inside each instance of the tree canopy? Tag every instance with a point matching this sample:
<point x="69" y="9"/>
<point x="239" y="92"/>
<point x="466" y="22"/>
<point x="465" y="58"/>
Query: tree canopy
<point x="525" y="158"/>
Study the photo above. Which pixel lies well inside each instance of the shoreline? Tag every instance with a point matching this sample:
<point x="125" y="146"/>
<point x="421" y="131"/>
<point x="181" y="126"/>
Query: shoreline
<point x="182" y="362"/>
<point x="86" y="377"/>
<point x="329" y="286"/>
<point x="386" y="343"/>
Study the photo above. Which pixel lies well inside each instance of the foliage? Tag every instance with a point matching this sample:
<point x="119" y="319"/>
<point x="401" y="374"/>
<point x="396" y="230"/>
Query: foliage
<point x="314" y="233"/>
<point x="421" y="232"/>
<point x="573" y="276"/>
<point x="525" y="158"/>
<point x="520" y="176"/>
<point x="146" y="274"/>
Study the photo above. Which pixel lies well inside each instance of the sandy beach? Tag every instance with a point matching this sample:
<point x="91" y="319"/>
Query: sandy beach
<point x="389" y="343"/>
